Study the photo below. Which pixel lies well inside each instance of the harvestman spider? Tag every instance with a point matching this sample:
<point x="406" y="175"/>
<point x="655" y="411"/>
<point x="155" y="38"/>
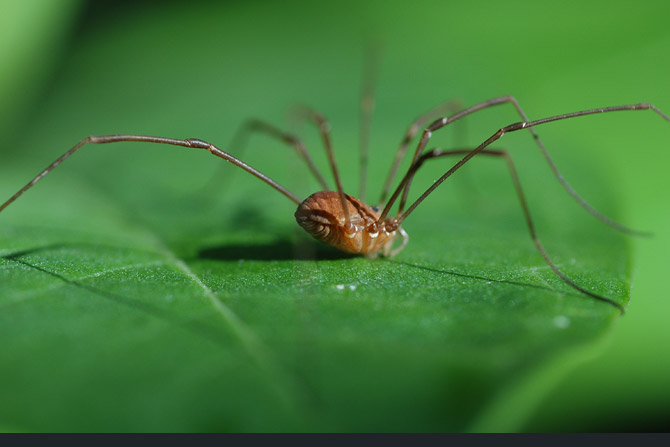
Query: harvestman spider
<point x="351" y="225"/>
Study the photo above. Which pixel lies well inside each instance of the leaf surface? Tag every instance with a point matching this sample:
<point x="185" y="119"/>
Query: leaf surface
<point x="146" y="288"/>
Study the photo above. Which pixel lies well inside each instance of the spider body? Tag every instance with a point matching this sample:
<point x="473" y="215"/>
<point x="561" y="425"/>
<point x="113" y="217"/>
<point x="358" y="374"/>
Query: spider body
<point x="322" y="216"/>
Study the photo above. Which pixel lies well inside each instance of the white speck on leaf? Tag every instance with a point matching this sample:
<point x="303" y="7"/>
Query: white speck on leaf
<point x="561" y="322"/>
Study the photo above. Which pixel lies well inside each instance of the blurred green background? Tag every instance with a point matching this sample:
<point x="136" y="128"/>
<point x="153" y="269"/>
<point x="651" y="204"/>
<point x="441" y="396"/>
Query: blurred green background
<point x="71" y="69"/>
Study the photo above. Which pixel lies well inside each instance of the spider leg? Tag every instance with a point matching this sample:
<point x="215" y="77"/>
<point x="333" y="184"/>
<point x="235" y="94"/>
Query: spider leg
<point x="324" y="130"/>
<point x="496" y="136"/>
<point x="442" y="122"/>
<point x="255" y="125"/>
<point x="437" y="153"/>
<point x="398" y="249"/>
<point x="188" y="143"/>
<point x="412" y="130"/>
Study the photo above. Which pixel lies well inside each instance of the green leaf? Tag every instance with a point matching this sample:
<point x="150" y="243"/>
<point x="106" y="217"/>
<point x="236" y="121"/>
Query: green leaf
<point x="147" y="288"/>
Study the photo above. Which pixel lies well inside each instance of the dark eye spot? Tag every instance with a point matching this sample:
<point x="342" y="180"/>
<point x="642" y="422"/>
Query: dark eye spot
<point x="375" y="209"/>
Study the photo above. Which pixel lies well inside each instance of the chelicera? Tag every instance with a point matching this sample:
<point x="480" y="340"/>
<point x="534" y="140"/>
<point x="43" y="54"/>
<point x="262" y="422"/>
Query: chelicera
<point x="349" y="223"/>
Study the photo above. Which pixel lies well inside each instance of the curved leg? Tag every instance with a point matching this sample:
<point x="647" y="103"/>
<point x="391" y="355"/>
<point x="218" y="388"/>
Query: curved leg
<point x="437" y="153"/>
<point x="398" y="249"/>
<point x="496" y="136"/>
<point x="412" y="130"/>
<point x="395" y="223"/>
<point x="324" y="130"/>
<point x="255" y="125"/>
<point x="442" y="122"/>
<point x="189" y="143"/>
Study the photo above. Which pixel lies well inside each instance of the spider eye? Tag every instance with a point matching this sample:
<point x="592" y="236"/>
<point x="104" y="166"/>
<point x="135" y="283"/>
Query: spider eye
<point x="375" y="209"/>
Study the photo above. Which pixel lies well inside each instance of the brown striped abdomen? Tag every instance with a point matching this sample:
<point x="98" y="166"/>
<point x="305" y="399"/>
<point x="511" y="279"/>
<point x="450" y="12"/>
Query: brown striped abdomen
<point x="321" y="215"/>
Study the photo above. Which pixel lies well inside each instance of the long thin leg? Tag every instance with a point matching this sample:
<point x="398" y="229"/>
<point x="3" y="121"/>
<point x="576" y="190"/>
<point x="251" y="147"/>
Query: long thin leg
<point x="496" y="136"/>
<point x="412" y="130"/>
<point x="255" y="125"/>
<point x="437" y="153"/>
<point x="189" y="143"/>
<point x="324" y="129"/>
<point x="442" y="122"/>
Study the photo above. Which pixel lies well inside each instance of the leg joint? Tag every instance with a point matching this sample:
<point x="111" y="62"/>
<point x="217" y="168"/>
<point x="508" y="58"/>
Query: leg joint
<point x="198" y="143"/>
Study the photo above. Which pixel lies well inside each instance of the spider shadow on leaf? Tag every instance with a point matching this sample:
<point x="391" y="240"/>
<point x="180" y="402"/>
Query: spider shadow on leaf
<point x="249" y="218"/>
<point x="278" y="250"/>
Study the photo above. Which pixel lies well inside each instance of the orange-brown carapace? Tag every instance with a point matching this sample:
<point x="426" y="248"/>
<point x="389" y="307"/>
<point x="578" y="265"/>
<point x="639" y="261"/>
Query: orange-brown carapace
<point x="322" y="216"/>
